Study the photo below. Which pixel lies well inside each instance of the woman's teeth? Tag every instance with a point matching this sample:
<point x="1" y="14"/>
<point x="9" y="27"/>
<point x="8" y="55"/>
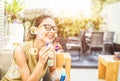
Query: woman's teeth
<point x="50" y="36"/>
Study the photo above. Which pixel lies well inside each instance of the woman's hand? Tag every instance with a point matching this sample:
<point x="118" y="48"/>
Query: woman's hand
<point x="52" y="66"/>
<point x="52" y="53"/>
<point x="44" y="54"/>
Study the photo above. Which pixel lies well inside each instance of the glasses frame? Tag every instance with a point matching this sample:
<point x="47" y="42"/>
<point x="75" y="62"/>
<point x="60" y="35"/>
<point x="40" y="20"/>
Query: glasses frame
<point x="48" y="27"/>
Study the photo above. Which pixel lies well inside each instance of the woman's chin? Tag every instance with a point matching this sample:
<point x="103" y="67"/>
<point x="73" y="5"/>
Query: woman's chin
<point x="48" y="40"/>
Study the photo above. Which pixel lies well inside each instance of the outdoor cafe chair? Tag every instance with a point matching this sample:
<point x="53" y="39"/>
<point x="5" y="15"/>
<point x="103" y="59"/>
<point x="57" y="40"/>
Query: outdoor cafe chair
<point x="96" y="41"/>
<point x="109" y="38"/>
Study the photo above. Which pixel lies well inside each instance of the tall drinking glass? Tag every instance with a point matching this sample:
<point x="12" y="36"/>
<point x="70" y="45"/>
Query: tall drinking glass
<point x="59" y="59"/>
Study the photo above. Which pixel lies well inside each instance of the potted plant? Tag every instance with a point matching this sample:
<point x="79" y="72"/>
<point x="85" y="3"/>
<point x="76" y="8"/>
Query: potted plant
<point x="14" y="20"/>
<point x="12" y="10"/>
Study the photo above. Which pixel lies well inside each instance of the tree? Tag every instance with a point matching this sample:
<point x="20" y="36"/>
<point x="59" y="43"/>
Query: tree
<point x="12" y="10"/>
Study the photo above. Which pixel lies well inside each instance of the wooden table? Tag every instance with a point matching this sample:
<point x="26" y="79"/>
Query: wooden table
<point x="67" y="59"/>
<point x="108" y="68"/>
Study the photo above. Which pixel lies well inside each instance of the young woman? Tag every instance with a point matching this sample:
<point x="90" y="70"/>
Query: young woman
<point x="31" y="58"/>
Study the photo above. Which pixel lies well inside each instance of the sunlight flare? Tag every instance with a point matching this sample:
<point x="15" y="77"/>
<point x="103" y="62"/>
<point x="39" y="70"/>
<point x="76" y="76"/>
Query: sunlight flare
<point x="63" y="8"/>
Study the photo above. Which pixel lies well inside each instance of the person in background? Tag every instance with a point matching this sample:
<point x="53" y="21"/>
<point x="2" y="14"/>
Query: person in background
<point x="31" y="57"/>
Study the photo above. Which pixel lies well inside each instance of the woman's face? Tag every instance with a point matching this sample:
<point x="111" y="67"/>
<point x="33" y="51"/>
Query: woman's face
<point x="47" y="30"/>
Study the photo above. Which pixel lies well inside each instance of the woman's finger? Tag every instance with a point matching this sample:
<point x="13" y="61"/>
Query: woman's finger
<point x="44" y="49"/>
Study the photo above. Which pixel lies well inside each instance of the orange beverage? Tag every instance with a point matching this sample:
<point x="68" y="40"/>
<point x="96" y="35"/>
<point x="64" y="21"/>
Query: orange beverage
<point x="59" y="59"/>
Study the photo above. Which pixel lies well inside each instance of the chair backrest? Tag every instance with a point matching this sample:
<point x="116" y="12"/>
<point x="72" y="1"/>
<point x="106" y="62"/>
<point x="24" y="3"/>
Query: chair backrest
<point x="109" y="36"/>
<point x="97" y="38"/>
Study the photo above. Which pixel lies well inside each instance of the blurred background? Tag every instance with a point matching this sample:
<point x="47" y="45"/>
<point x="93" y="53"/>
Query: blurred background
<point x="71" y="16"/>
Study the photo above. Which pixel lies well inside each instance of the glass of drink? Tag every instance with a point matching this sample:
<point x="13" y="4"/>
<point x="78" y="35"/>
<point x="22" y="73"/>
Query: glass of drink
<point x="59" y="59"/>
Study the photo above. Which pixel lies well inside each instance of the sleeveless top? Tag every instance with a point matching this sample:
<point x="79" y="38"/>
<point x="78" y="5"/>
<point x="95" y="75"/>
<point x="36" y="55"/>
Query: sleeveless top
<point x="13" y="72"/>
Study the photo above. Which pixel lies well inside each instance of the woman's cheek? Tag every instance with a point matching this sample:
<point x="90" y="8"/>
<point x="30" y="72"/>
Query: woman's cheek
<point x="41" y="35"/>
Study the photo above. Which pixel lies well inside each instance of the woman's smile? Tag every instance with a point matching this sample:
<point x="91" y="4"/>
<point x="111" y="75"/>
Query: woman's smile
<point x="50" y="36"/>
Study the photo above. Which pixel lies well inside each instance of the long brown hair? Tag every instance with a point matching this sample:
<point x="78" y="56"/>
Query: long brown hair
<point x="36" y="23"/>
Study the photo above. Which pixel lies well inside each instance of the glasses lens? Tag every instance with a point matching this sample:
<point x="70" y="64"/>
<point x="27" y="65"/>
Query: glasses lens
<point x="49" y="27"/>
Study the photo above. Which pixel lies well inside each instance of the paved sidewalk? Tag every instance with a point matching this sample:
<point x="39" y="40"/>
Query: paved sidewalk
<point x="85" y="61"/>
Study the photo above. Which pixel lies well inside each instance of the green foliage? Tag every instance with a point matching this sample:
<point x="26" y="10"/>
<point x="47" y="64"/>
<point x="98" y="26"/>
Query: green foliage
<point x="98" y="5"/>
<point x="12" y="10"/>
<point x="109" y="1"/>
<point x="72" y="26"/>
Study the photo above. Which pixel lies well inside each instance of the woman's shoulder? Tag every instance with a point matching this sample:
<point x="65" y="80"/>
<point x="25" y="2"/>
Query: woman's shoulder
<point x="26" y="44"/>
<point x="22" y="50"/>
<point x="23" y="47"/>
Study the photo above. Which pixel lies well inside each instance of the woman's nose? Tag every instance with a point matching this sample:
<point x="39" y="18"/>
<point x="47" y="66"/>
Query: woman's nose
<point x="52" y="30"/>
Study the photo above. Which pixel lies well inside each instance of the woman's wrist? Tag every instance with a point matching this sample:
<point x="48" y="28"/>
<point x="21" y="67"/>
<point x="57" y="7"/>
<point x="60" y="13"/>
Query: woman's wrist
<point x="55" y="76"/>
<point x="52" y="68"/>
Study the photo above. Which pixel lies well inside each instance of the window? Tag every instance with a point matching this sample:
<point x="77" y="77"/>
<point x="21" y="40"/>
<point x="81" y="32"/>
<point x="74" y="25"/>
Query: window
<point x="1" y="24"/>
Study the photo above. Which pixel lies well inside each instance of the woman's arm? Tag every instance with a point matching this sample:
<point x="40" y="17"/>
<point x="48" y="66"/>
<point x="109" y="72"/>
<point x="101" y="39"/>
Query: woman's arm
<point x="20" y="58"/>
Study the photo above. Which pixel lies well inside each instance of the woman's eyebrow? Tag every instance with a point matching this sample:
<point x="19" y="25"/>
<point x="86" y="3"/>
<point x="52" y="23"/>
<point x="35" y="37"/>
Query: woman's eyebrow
<point x="49" y="25"/>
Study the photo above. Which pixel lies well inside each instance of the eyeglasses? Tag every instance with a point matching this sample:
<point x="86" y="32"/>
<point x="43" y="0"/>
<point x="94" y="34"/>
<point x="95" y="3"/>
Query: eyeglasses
<point x="48" y="27"/>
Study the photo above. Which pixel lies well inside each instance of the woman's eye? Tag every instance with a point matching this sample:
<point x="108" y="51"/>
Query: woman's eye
<point x="48" y="27"/>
